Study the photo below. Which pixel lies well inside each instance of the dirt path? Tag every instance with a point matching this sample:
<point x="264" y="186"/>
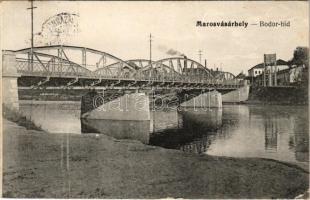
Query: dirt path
<point x="39" y="164"/>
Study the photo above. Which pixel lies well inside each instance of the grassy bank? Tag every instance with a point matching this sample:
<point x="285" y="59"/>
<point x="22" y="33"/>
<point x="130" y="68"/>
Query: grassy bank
<point x="47" y="165"/>
<point x="278" y="95"/>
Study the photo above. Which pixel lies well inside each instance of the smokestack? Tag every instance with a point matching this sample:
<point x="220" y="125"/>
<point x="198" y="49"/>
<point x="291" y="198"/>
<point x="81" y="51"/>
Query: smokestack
<point x="205" y="63"/>
<point x="185" y="61"/>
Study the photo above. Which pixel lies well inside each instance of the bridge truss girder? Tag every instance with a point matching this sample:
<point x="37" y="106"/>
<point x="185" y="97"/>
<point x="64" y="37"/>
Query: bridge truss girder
<point x="56" y="62"/>
<point x="99" y="59"/>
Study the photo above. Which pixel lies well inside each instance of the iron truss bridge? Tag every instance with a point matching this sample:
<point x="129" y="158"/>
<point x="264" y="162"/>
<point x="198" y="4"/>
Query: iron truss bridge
<point x="79" y="67"/>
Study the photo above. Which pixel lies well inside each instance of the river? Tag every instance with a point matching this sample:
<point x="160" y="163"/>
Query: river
<point x="266" y="131"/>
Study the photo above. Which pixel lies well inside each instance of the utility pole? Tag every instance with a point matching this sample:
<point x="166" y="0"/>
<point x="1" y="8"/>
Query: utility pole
<point x="200" y="54"/>
<point x="264" y="77"/>
<point x="31" y="50"/>
<point x="151" y="49"/>
<point x="58" y="37"/>
<point x="153" y="91"/>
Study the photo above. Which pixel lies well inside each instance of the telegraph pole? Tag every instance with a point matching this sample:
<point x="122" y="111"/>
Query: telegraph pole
<point x="31" y="51"/>
<point x="150" y="49"/>
<point x="200" y="54"/>
<point x="58" y="36"/>
<point x="153" y="91"/>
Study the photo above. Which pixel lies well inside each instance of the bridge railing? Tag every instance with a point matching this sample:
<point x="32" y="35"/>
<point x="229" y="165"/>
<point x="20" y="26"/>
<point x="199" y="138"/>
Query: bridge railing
<point x="199" y="79"/>
<point x="44" y="68"/>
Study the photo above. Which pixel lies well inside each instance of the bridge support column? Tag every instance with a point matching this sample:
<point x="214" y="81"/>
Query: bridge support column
<point x="134" y="106"/>
<point x="211" y="99"/>
<point x="128" y="117"/>
<point x="9" y="80"/>
<point x="239" y="95"/>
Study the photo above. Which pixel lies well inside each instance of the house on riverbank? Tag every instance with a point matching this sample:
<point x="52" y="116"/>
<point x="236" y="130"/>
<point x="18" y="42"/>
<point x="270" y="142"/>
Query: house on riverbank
<point x="279" y="75"/>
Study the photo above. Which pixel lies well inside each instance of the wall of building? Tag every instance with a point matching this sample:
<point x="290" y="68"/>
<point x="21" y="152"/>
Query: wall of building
<point x="255" y="72"/>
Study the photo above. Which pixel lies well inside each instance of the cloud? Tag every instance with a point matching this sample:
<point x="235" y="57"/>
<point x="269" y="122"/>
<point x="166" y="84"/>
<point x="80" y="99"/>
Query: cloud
<point x="170" y="51"/>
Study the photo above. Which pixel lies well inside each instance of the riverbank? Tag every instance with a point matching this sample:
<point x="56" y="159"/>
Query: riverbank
<point x="279" y="95"/>
<point x="37" y="164"/>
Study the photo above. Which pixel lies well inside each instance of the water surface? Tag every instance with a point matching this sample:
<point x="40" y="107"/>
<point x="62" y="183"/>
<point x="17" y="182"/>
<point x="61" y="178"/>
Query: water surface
<point x="277" y="132"/>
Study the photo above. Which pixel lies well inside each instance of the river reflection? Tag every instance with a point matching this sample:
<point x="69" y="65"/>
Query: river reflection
<point x="277" y="132"/>
<point x="195" y="129"/>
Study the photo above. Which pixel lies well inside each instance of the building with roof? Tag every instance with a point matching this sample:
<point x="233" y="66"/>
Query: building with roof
<point x="284" y="77"/>
<point x="259" y="68"/>
<point x="256" y="70"/>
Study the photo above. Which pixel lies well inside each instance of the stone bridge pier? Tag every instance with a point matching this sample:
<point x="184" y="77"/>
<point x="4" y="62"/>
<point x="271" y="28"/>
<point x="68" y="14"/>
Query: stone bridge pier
<point x="123" y="114"/>
<point x="128" y="110"/>
<point x="9" y="80"/>
<point x="239" y="95"/>
<point x="212" y="99"/>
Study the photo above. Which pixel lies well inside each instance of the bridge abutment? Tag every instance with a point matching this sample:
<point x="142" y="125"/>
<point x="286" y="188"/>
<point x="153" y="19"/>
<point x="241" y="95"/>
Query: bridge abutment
<point x="211" y="99"/>
<point x="239" y="95"/>
<point x="9" y="80"/>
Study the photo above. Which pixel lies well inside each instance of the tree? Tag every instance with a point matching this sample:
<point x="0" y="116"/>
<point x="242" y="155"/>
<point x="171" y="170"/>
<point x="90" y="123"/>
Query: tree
<point x="300" y="57"/>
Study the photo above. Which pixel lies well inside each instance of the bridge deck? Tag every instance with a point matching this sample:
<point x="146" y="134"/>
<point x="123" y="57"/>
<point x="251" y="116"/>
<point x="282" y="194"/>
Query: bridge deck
<point x="126" y="83"/>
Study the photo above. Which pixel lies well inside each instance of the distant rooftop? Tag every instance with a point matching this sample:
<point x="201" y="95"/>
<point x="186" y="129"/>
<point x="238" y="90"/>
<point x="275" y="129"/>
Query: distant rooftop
<point x="241" y="75"/>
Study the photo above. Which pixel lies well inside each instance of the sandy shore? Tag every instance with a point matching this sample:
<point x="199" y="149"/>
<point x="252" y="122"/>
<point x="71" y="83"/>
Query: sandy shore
<point x="38" y="164"/>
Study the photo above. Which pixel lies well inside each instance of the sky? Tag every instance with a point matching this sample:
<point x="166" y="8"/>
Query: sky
<point x="122" y="29"/>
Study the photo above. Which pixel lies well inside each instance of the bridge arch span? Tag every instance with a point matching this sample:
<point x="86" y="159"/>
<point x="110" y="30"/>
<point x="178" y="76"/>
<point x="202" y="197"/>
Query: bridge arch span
<point x="90" y="58"/>
<point x="136" y="64"/>
<point x="179" y="68"/>
<point x="224" y="75"/>
<point x="50" y="65"/>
